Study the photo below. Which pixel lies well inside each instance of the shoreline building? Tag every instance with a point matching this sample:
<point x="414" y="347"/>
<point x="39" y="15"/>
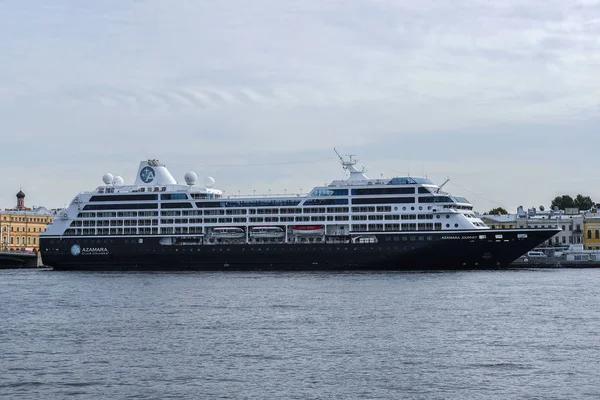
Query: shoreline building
<point x="20" y="227"/>
<point x="592" y="232"/>
<point x="570" y="221"/>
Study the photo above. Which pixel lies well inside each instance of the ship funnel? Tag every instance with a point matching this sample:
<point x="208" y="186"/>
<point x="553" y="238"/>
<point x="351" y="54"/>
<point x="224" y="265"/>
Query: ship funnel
<point x="155" y="173"/>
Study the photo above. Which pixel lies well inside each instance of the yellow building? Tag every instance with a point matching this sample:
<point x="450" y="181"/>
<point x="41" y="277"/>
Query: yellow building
<point x="591" y="236"/>
<point x="20" y="227"/>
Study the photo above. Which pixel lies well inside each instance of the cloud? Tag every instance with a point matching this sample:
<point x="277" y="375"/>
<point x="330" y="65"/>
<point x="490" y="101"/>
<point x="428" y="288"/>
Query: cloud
<point x="94" y="85"/>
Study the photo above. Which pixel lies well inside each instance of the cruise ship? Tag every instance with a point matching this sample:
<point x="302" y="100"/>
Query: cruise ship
<point x="358" y="223"/>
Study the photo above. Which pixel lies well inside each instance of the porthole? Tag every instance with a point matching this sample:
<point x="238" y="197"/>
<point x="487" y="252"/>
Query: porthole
<point x="395" y="208"/>
<point x="437" y="216"/>
<point x="429" y="207"/>
<point x="456" y="225"/>
<point x="447" y="225"/>
<point x="447" y="216"/>
<point x="412" y="208"/>
<point x="404" y="208"/>
<point x="420" y="207"/>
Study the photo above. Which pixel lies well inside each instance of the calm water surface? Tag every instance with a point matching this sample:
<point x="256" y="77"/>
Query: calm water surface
<point x="461" y="335"/>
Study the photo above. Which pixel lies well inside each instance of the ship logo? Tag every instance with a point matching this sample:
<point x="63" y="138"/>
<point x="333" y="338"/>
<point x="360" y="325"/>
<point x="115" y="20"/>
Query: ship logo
<point x="147" y="174"/>
<point x="75" y="250"/>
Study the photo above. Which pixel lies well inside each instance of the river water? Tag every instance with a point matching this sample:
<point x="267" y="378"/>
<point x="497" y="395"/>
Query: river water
<point x="526" y="334"/>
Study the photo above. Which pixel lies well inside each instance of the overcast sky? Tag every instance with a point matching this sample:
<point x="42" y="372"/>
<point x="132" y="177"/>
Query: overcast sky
<point x="502" y="97"/>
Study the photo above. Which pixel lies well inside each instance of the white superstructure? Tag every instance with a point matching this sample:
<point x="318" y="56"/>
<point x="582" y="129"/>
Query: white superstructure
<point x="156" y="204"/>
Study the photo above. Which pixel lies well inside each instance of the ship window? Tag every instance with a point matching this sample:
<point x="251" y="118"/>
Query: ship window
<point x="330" y="192"/>
<point x="447" y="225"/>
<point x="176" y="205"/>
<point x="408" y="181"/>
<point x="325" y="202"/>
<point x="379" y="191"/>
<point x="173" y="196"/>
<point x="125" y="197"/>
<point x="456" y="225"/>
<point x="389" y="200"/>
<point x="136" y="206"/>
<point x="249" y="203"/>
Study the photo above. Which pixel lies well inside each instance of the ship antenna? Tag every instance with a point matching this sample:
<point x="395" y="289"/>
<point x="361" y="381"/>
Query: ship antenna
<point x="442" y="185"/>
<point x="339" y="156"/>
<point x="348" y="164"/>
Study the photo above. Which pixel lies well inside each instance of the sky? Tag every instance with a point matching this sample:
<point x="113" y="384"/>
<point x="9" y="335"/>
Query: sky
<point x="502" y="97"/>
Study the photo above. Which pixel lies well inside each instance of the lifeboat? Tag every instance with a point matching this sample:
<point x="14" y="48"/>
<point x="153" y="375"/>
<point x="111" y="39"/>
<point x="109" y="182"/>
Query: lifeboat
<point x="228" y="233"/>
<point x="266" y="232"/>
<point x="308" y="230"/>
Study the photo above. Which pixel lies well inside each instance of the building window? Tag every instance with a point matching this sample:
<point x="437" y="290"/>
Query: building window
<point x="564" y="239"/>
<point x="597" y="234"/>
<point x="589" y="233"/>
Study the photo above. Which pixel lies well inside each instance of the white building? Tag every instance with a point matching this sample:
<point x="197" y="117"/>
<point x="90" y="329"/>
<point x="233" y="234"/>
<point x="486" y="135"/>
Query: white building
<point x="571" y="224"/>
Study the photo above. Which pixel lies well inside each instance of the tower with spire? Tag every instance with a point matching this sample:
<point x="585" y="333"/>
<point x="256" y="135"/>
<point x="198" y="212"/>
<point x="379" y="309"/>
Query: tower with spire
<point x="20" y="200"/>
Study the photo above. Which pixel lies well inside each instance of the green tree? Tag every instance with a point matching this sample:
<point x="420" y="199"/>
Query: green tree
<point x="583" y="202"/>
<point x="563" y="202"/>
<point x="497" y="211"/>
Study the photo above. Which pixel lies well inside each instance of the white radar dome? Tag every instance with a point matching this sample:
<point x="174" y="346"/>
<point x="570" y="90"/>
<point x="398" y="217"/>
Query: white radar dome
<point x="209" y="181"/>
<point x="108" y="178"/>
<point x="118" y="180"/>
<point x="190" y="177"/>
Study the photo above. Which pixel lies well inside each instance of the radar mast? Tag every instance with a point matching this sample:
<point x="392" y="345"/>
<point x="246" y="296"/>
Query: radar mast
<point x="349" y="164"/>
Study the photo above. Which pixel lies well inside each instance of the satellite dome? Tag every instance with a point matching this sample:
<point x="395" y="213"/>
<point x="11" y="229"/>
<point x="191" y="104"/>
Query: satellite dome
<point x="108" y="178"/>
<point x="190" y="177"/>
<point x="542" y="208"/>
<point x="209" y="181"/>
<point x="118" y="180"/>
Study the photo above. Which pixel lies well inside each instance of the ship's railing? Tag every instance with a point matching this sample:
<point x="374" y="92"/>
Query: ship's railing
<point x="261" y="195"/>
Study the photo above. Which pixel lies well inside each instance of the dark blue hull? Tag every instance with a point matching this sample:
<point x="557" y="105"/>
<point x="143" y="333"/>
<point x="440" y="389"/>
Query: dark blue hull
<point x="393" y="251"/>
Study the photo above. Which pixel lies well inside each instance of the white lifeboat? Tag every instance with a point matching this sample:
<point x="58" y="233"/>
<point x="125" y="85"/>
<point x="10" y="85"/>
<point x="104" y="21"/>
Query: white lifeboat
<point x="228" y="233"/>
<point x="266" y="232"/>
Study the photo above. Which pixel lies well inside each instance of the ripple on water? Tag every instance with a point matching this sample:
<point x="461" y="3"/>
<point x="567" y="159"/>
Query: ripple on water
<point x="490" y="334"/>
